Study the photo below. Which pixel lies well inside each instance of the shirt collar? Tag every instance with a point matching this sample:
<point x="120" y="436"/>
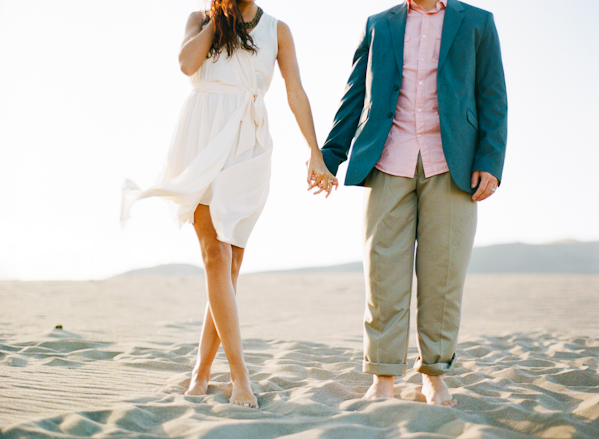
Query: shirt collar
<point x="444" y="2"/>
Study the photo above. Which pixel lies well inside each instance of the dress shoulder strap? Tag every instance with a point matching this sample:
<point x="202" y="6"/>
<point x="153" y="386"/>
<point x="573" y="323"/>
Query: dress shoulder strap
<point x="269" y="29"/>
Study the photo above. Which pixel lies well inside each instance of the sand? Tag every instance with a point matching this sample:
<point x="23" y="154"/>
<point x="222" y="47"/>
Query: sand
<point x="527" y="361"/>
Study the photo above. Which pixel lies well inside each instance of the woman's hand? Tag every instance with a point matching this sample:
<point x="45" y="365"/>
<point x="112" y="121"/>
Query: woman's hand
<point x="319" y="176"/>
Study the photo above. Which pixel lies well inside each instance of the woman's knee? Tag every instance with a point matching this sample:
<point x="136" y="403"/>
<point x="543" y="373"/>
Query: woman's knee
<point x="216" y="254"/>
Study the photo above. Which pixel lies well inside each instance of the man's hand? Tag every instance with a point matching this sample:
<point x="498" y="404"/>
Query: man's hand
<point x="487" y="185"/>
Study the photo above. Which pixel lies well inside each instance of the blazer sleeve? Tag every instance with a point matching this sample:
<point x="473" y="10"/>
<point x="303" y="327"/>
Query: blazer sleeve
<point x="337" y="145"/>
<point x="491" y="103"/>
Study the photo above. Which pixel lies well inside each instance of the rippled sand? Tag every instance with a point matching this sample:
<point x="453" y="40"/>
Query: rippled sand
<point x="527" y="366"/>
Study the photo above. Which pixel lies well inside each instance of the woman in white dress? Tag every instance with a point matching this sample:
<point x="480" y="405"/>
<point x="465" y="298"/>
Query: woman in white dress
<point x="218" y="167"/>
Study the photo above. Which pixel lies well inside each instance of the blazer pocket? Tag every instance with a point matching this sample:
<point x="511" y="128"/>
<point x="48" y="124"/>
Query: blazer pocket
<point x="365" y="115"/>
<point x="472" y="119"/>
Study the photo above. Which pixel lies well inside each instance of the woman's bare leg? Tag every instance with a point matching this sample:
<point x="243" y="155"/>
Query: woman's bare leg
<point x="209" y="340"/>
<point x="207" y="349"/>
<point x="221" y="264"/>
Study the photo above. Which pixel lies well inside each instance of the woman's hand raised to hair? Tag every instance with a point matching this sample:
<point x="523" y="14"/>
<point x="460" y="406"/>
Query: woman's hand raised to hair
<point x="319" y="176"/>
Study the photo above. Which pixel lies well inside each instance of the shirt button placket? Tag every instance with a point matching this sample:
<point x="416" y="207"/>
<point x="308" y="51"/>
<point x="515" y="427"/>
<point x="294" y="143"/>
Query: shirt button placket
<point x="422" y="50"/>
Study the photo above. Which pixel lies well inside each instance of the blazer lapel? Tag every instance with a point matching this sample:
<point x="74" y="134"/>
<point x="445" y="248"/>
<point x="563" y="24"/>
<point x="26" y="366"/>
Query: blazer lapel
<point x="397" y="21"/>
<point x="451" y="24"/>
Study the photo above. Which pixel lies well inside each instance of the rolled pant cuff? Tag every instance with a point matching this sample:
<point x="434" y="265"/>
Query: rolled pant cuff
<point x="435" y="369"/>
<point x="384" y="369"/>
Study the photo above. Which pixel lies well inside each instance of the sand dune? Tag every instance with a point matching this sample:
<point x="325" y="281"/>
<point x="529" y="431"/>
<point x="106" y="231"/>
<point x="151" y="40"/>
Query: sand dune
<point x="121" y="363"/>
<point x="166" y="270"/>
<point x="561" y="257"/>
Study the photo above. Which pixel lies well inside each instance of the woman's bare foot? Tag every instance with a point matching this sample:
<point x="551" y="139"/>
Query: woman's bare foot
<point x="382" y="387"/>
<point x="242" y="394"/>
<point x="198" y="385"/>
<point x="436" y="392"/>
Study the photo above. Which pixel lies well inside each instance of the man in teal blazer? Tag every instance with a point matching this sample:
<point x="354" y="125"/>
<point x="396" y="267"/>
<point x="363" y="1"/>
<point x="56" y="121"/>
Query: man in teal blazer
<point x="439" y="211"/>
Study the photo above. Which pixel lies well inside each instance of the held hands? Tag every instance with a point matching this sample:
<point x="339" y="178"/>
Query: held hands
<point x="319" y="176"/>
<point x="487" y="186"/>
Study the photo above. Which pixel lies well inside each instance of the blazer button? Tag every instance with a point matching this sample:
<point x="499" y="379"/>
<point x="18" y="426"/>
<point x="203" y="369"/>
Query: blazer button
<point x="395" y="87"/>
<point x="389" y="115"/>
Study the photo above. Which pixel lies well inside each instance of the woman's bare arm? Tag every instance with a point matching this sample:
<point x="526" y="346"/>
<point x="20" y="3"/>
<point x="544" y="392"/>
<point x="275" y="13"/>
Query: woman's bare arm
<point x="300" y="106"/>
<point x="196" y="44"/>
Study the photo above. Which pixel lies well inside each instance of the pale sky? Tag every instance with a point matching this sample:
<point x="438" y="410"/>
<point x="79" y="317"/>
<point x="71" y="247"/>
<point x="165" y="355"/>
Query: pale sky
<point x="90" y="93"/>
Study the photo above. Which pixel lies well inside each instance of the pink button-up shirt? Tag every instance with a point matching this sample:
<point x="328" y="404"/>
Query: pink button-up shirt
<point x="416" y="127"/>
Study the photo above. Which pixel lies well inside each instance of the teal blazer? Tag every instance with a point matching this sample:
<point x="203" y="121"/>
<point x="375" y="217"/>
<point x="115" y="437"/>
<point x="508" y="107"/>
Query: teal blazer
<point x="470" y="85"/>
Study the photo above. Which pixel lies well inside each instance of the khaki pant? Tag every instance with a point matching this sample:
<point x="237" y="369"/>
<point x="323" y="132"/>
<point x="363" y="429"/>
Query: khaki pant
<point x="442" y="219"/>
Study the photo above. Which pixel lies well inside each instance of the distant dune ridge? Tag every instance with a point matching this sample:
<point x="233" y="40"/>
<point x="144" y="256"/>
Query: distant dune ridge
<point x="165" y="270"/>
<point x="561" y="257"/>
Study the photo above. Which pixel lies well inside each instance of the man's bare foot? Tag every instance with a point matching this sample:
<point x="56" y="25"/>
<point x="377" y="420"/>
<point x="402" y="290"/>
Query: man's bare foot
<point x="436" y="392"/>
<point x="382" y="387"/>
<point x="198" y="386"/>
<point x="242" y="394"/>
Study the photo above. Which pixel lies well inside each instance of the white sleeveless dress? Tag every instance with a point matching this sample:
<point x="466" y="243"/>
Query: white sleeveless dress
<point x="220" y="154"/>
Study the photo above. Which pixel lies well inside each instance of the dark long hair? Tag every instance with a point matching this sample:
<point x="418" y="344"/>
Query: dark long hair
<point x="228" y="32"/>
